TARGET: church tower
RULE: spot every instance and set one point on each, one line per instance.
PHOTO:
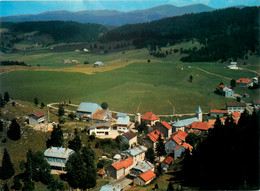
(199, 114)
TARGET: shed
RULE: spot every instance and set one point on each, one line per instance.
(98, 64)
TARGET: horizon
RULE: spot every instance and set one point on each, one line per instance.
(20, 7)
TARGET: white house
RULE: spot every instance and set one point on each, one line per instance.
(37, 118)
(228, 92)
(102, 128)
(235, 106)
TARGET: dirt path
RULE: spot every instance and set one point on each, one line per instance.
(250, 71)
(138, 107)
(212, 73)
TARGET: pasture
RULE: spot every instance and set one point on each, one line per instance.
(128, 83)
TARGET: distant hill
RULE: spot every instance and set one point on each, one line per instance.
(111, 17)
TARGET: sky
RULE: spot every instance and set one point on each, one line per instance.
(19, 7)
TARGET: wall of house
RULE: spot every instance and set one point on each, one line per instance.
(165, 165)
(233, 109)
(33, 121)
(133, 141)
(148, 143)
(178, 152)
(116, 174)
(139, 181)
(169, 146)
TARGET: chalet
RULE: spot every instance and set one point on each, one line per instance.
(124, 124)
(137, 154)
(243, 82)
(151, 139)
(144, 178)
(130, 137)
(198, 126)
(228, 92)
(101, 115)
(37, 118)
(164, 128)
(87, 109)
(141, 167)
(57, 157)
(120, 169)
(100, 129)
(98, 64)
(177, 138)
(150, 118)
(220, 113)
(178, 150)
(256, 103)
(166, 163)
(235, 106)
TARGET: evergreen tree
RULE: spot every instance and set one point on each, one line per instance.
(14, 131)
(1, 126)
(233, 83)
(104, 105)
(17, 184)
(5, 187)
(42, 105)
(170, 187)
(190, 78)
(1, 101)
(61, 111)
(56, 139)
(75, 144)
(149, 155)
(36, 102)
(160, 147)
(28, 185)
(6, 97)
(7, 168)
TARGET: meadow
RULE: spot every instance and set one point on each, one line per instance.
(128, 83)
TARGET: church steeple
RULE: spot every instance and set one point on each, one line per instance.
(199, 114)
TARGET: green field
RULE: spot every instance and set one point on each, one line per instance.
(128, 83)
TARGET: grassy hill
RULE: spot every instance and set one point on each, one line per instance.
(128, 82)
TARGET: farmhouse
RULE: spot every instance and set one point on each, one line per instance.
(101, 115)
(144, 178)
(124, 124)
(243, 82)
(164, 128)
(228, 92)
(199, 126)
(87, 109)
(177, 138)
(166, 163)
(151, 139)
(100, 129)
(220, 113)
(141, 167)
(98, 64)
(235, 106)
(150, 118)
(130, 137)
(120, 169)
(57, 157)
(37, 118)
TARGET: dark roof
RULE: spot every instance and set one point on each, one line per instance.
(129, 135)
(39, 114)
(236, 104)
(256, 102)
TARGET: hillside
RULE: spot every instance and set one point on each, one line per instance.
(218, 33)
(111, 17)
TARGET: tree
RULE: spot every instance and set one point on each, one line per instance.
(160, 147)
(170, 187)
(149, 155)
(17, 184)
(104, 105)
(75, 144)
(72, 116)
(7, 168)
(1, 126)
(5, 187)
(42, 105)
(233, 83)
(192, 139)
(56, 139)
(36, 102)
(190, 78)
(14, 131)
(1, 101)
(61, 111)
(6, 97)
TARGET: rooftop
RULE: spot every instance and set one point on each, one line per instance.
(144, 166)
(168, 160)
(129, 135)
(137, 150)
(123, 120)
(150, 116)
(58, 152)
(88, 107)
(123, 163)
(243, 80)
(185, 122)
(38, 114)
(218, 111)
(154, 136)
(148, 175)
(236, 114)
(165, 124)
(109, 188)
(200, 125)
(99, 114)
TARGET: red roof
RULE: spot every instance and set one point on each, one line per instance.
(39, 114)
(182, 135)
(221, 86)
(165, 124)
(236, 114)
(154, 136)
(129, 135)
(178, 137)
(168, 160)
(200, 125)
(218, 111)
(150, 116)
(148, 175)
(187, 146)
(243, 80)
(101, 171)
(123, 163)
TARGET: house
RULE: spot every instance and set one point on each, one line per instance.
(164, 128)
(85, 50)
(102, 128)
(151, 139)
(198, 126)
(75, 61)
(120, 169)
(235, 106)
(178, 150)
(144, 178)
(141, 167)
(101, 115)
(67, 61)
(256, 103)
(137, 154)
(87, 109)
(220, 113)
(57, 157)
(124, 124)
(110, 188)
(37, 118)
(150, 118)
(177, 138)
(228, 92)
(233, 66)
(130, 137)
(98, 64)
(236, 115)
(166, 163)
(243, 82)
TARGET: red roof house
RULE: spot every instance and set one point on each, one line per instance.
(151, 139)
(144, 178)
(242, 82)
(150, 118)
(201, 126)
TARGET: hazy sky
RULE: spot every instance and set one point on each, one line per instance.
(19, 7)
